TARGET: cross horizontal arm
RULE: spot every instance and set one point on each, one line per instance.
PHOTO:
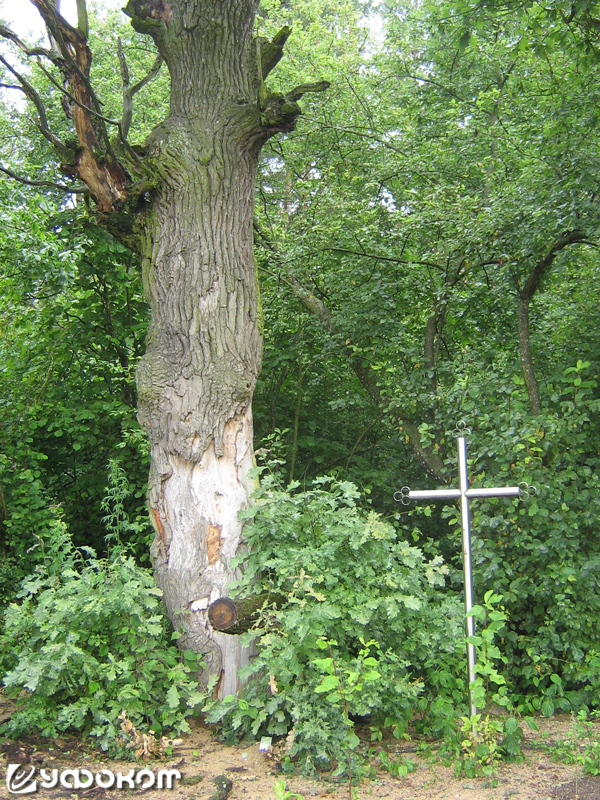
(433, 494)
(503, 491)
(452, 494)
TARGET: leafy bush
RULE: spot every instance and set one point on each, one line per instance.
(10, 577)
(90, 646)
(29, 513)
(117, 520)
(347, 578)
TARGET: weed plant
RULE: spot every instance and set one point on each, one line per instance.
(582, 746)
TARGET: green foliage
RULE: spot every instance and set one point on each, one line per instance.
(10, 577)
(150, 105)
(486, 738)
(343, 684)
(30, 514)
(86, 645)
(398, 767)
(543, 555)
(413, 200)
(121, 529)
(373, 601)
(489, 684)
(281, 793)
(72, 323)
(582, 746)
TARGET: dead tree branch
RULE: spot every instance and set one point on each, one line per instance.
(32, 95)
(130, 91)
(75, 189)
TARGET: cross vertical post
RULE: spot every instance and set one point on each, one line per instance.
(467, 571)
(464, 493)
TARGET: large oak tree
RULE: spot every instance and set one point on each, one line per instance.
(184, 203)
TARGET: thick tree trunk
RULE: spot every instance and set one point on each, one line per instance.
(203, 356)
(204, 346)
(185, 202)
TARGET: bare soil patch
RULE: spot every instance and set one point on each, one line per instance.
(202, 758)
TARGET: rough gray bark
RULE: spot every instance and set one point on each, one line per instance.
(203, 354)
(196, 380)
(184, 203)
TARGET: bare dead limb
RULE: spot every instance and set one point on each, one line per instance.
(32, 95)
(72, 43)
(130, 91)
(6, 33)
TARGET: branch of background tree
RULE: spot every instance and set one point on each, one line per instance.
(47, 184)
(32, 95)
(535, 276)
(385, 258)
(130, 91)
(310, 302)
(427, 456)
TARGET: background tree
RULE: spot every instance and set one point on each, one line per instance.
(455, 198)
(461, 177)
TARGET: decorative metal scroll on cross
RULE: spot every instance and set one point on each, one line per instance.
(464, 493)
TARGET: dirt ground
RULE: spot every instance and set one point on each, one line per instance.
(201, 758)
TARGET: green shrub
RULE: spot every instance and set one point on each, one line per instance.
(89, 645)
(10, 577)
(582, 745)
(347, 578)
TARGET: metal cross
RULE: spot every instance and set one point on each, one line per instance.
(405, 495)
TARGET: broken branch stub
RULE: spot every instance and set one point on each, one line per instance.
(235, 616)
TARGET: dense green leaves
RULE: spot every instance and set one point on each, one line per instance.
(87, 640)
(348, 578)
(72, 323)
